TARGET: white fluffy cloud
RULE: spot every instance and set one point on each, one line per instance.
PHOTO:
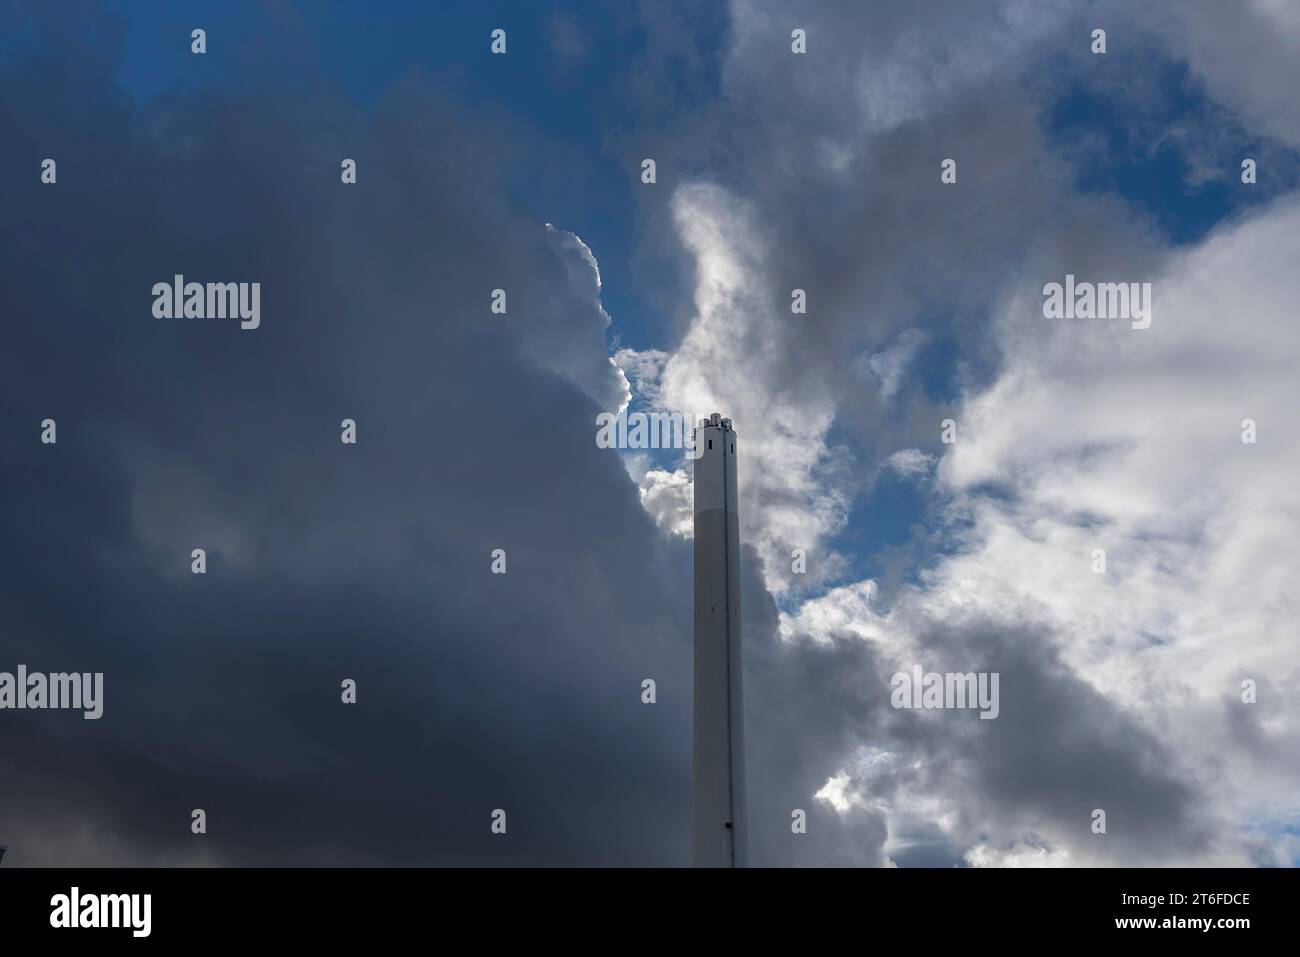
(727, 362)
(667, 497)
(1089, 436)
(1098, 436)
(910, 463)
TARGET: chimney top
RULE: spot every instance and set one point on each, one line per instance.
(715, 421)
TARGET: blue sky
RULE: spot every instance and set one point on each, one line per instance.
(1136, 159)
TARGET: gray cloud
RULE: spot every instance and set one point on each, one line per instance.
(325, 561)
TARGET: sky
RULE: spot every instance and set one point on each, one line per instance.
(1120, 690)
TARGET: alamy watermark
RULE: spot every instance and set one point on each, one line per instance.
(947, 690)
(1106, 300)
(36, 691)
(74, 909)
(179, 299)
(647, 430)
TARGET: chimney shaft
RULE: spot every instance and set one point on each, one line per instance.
(719, 822)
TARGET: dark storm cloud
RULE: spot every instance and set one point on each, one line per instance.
(326, 561)
(1056, 751)
(806, 707)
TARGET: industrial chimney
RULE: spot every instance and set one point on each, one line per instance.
(719, 795)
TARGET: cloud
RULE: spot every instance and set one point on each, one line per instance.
(892, 63)
(325, 561)
(725, 361)
(1245, 53)
(1134, 445)
(910, 463)
(667, 497)
(1128, 441)
(1071, 438)
(886, 368)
